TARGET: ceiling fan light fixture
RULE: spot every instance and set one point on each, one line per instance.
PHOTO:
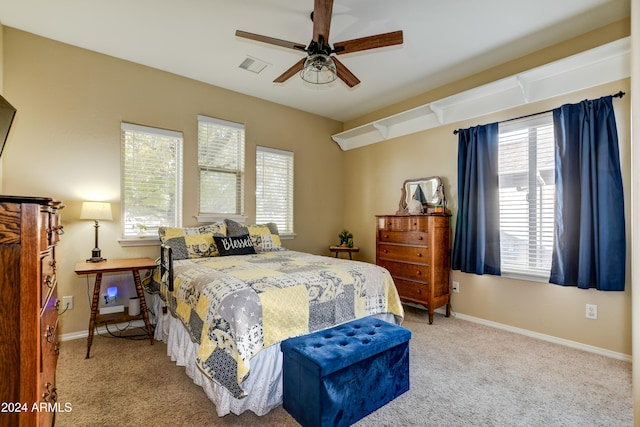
(319, 69)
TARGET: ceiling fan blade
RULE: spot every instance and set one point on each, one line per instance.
(322, 10)
(295, 69)
(370, 42)
(270, 40)
(344, 74)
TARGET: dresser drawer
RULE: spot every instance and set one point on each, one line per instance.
(45, 226)
(49, 328)
(411, 271)
(48, 269)
(412, 291)
(399, 223)
(408, 237)
(404, 253)
(50, 347)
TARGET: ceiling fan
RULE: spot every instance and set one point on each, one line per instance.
(320, 66)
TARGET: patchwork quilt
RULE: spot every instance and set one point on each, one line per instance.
(234, 306)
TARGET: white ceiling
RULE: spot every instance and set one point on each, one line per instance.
(444, 40)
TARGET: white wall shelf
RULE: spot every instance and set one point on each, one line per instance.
(600, 65)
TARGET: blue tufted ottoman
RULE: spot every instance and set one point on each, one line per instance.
(337, 376)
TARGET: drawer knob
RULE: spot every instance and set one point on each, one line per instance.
(50, 337)
(50, 395)
(420, 238)
(385, 251)
(418, 272)
(386, 236)
(419, 255)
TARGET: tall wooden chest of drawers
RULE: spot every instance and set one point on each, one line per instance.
(415, 250)
(29, 231)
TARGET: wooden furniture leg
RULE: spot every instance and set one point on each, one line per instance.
(143, 303)
(94, 311)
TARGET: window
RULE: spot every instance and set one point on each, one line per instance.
(221, 165)
(151, 179)
(274, 188)
(527, 196)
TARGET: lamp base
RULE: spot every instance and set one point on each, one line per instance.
(95, 256)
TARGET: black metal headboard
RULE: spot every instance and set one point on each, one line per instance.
(166, 264)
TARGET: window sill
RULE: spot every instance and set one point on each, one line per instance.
(206, 218)
(524, 276)
(139, 241)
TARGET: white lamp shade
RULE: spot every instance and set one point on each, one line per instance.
(96, 210)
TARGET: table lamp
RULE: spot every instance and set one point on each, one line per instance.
(96, 211)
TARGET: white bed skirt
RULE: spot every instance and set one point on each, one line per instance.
(264, 385)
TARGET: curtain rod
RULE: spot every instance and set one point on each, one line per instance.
(617, 95)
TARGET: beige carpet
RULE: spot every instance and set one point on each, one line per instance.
(462, 374)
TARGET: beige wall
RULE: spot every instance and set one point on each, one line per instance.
(635, 201)
(1, 88)
(65, 144)
(374, 175)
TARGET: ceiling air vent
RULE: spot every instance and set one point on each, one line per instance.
(254, 65)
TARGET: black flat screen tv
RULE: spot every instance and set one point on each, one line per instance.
(7, 112)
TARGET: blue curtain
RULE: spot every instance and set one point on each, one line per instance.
(590, 244)
(477, 241)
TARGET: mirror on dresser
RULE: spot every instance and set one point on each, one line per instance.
(429, 192)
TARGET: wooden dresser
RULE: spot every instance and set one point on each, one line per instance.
(415, 250)
(29, 231)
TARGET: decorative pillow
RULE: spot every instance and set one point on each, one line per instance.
(192, 242)
(266, 242)
(235, 228)
(263, 238)
(234, 245)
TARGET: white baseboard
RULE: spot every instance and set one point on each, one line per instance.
(537, 335)
(101, 330)
(544, 337)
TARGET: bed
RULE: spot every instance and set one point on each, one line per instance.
(226, 295)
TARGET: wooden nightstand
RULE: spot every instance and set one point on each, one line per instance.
(116, 266)
(343, 249)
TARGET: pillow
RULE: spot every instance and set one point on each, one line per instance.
(235, 228)
(266, 242)
(192, 242)
(263, 238)
(234, 245)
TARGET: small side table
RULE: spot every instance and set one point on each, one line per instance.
(116, 266)
(343, 249)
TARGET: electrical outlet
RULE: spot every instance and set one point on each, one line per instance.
(591, 311)
(456, 287)
(67, 302)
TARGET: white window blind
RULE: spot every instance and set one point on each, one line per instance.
(274, 188)
(221, 165)
(151, 179)
(527, 195)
